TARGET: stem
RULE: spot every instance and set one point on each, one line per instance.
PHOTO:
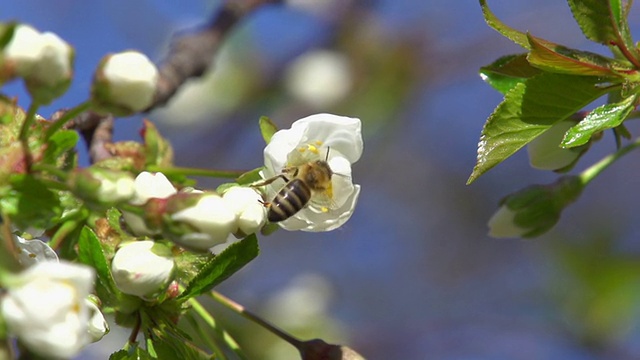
(235, 307)
(204, 314)
(28, 121)
(136, 329)
(589, 174)
(51, 169)
(213, 345)
(175, 170)
(627, 54)
(72, 113)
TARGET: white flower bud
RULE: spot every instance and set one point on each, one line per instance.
(502, 225)
(127, 80)
(115, 190)
(245, 202)
(151, 185)
(147, 186)
(545, 152)
(98, 326)
(45, 308)
(213, 218)
(142, 268)
(24, 48)
(33, 251)
(54, 64)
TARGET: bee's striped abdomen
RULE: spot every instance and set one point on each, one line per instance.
(289, 200)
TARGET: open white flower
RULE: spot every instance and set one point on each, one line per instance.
(318, 137)
(45, 308)
(142, 268)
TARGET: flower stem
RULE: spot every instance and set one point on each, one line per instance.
(66, 117)
(204, 314)
(51, 169)
(28, 121)
(237, 308)
(594, 170)
(175, 170)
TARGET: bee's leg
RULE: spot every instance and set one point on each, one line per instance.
(270, 180)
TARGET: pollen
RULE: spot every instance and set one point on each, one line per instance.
(318, 142)
(302, 149)
(313, 149)
(324, 209)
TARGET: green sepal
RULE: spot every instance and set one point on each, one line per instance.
(222, 266)
(157, 149)
(267, 128)
(538, 208)
(58, 144)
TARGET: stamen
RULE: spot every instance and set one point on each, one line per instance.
(318, 142)
(324, 209)
(313, 149)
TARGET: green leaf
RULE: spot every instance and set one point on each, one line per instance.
(602, 21)
(528, 110)
(135, 353)
(601, 118)
(170, 347)
(222, 266)
(6, 33)
(559, 59)
(59, 143)
(267, 128)
(504, 73)
(510, 33)
(250, 176)
(29, 202)
(90, 253)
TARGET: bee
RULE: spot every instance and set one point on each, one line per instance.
(311, 179)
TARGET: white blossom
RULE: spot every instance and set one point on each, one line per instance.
(142, 268)
(316, 137)
(116, 189)
(212, 217)
(45, 308)
(34, 251)
(147, 186)
(128, 79)
(502, 224)
(245, 202)
(98, 326)
(43, 57)
(545, 152)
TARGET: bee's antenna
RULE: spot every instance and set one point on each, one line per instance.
(326, 158)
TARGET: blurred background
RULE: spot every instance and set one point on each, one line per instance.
(412, 275)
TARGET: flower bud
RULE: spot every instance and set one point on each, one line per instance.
(43, 59)
(545, 152)
(102, 185)
(208, 219)
(45, 308)
(34, 251)
(534, 210)
(246, 203)
(125, 83)
(142, 268)
(147, 186)
(98, 326)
